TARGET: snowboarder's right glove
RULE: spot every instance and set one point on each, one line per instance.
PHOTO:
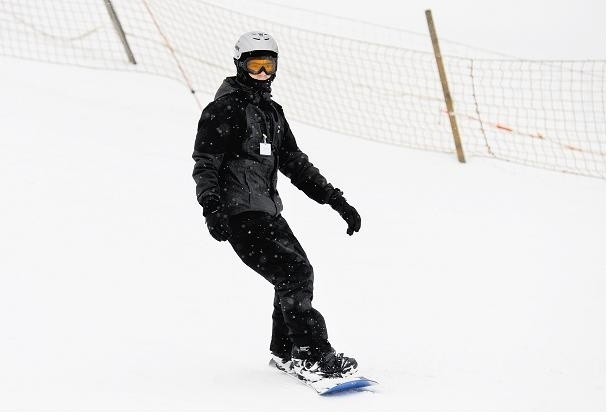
(216, 220)
(347, 211)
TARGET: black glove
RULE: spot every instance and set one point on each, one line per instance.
(216, 220)
(347, 212)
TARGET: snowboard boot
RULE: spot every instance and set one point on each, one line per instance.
(282, 361)
(330, 364)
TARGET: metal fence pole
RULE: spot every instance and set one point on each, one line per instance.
(119, 29)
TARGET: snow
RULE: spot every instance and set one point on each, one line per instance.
(469, 287)
(526, 29)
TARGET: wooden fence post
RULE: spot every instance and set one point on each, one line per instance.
(445, 85)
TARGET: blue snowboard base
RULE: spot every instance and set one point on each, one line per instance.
(349, 384)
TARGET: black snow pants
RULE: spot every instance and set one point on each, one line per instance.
(267, 245)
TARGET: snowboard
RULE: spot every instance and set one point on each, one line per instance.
(329, 386)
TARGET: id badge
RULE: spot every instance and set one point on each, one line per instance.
(265, 149)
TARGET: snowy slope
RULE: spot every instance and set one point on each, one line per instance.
(469, 287)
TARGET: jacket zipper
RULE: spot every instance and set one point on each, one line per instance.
(275, 117)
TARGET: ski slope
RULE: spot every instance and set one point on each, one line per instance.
(469, 287)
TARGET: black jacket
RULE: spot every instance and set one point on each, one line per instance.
(228, 161)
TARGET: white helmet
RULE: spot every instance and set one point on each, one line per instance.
(252, 41)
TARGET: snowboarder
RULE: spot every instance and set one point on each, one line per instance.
(242, 140)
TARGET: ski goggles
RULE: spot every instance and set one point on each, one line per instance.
(257, 64)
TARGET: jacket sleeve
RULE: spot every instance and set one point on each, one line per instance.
(295, 165)
(210, 146)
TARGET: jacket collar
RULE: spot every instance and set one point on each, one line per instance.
(231, 84)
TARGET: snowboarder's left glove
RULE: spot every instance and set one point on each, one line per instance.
(347, 212)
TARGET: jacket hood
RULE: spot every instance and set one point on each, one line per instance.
(231, 84)
(227, 86)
